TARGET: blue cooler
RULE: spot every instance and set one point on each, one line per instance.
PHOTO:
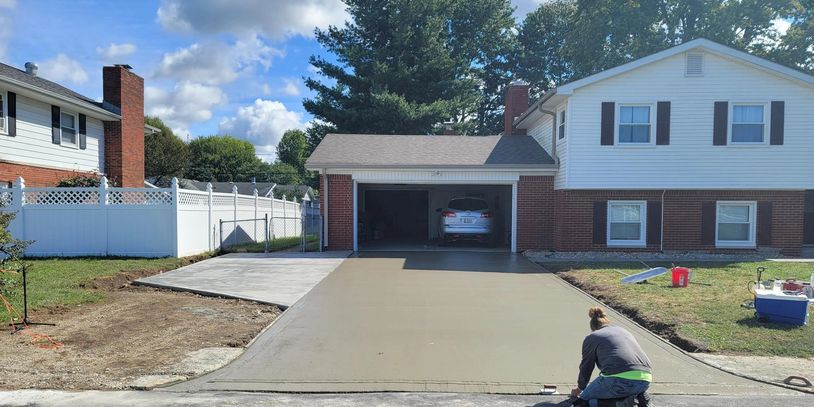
(776, 306)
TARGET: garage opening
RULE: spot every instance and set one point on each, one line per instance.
(434, 217)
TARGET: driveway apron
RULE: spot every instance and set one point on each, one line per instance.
(444, 322)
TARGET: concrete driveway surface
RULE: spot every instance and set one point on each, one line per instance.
(444, 322)
(280, 278)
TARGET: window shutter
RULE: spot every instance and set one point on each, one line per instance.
(708, 219)
(654, 222)
(600, 222)
(11, 117)
(56, 135)
(764, 223)
(83, 138)
(721, 122)
(778, 122)
(663, 123)
(608, 122)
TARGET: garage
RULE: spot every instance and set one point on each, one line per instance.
(432, 216)
(426, 192)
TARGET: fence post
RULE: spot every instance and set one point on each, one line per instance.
(17, 204)
(266, 245)
(285, 216)
(254, 222)
(175, 208)
(103, 211)
(234, 218)
(209, 224)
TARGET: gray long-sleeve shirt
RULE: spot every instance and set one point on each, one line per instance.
(613, 350)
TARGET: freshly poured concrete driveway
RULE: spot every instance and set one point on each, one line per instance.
(445, 322)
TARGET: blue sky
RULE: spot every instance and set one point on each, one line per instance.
(210, 66)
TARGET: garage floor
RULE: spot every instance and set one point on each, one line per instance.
(443, 322)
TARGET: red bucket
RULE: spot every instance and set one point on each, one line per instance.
(681, 276)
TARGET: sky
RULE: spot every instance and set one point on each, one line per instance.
(209, 66)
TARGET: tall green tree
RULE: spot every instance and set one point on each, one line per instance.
(165, 154)
(406, 66)
(223, 158)
(795, 48)
(541, 39)
(293, 149)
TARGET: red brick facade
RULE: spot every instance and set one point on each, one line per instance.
(35, 176)
(124, 141)
(535, 213)
(682, 217)
(340, 210)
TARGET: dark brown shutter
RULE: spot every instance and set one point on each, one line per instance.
(600, 222)
(608, 122)
(11, 119)
(663, 123)
(764, 223)
(653, 222)
(720, 124)
(83, 130)
(56, 135)
(778, 122)
(708, 218)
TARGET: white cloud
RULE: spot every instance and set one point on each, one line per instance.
(187, 103)
(291, 87)
(114, 53)
(216, 62)
(262, 123)
(8, 3)
(266, 89)
(63, 69)
(781, 25)
(276, 19)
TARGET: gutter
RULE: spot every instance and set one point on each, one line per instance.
(538, 104)
(66, 99)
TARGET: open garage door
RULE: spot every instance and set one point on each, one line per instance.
(434, 217)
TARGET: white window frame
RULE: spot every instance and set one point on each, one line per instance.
(766, 124)
(3, 110)
(652, 124)
(642, 242)
(562, 122)
(62, 142)
(752, 242)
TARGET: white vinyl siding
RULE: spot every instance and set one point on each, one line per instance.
(543, 130)
(748, 123)
(691, 161)
(735, 224)
(33, 145)
(626, 223)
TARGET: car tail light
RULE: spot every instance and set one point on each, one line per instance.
(448, 214)
(486, 214)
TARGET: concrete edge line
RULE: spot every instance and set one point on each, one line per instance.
(690, 355)
(207, 293)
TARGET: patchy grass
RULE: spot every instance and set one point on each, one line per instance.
(707, 315)
(61, 282)
(275, 245)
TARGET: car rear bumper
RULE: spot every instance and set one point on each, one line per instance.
(467, 230)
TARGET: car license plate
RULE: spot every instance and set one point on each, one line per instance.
(469, 220)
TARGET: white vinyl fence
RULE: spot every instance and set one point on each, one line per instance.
(142, 222)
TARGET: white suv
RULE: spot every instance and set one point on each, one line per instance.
(466, 218)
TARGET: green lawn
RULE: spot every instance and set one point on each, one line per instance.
(278, 244)
(707, 314)
(60, 281)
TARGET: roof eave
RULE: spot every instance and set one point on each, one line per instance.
(546, 96)
(99, 112)
(483, 167)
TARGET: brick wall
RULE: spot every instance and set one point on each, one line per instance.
(682, 217)
(340, 210)
(516, 102)
(124, 141)
(34, 176)
(535, 213)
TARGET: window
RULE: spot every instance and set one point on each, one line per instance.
(736, 224)
(561, 126)
(468, 204)
(2, 112)
(748, 123)
(69, 125)
(626, 223)
(634, 124)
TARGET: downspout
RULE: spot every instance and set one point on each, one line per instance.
(661, 249)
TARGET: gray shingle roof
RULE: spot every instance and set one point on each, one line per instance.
(368, 150)
(44, 84)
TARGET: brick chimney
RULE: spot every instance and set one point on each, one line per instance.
(124, 141)
(517, 101)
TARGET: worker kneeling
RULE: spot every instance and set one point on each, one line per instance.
(625, 371)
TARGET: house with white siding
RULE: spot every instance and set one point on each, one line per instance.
(49, 132)
(697, 147)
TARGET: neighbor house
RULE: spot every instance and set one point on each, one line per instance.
(49, 132)
(698, 147)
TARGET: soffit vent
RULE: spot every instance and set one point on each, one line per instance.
(694, 64)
